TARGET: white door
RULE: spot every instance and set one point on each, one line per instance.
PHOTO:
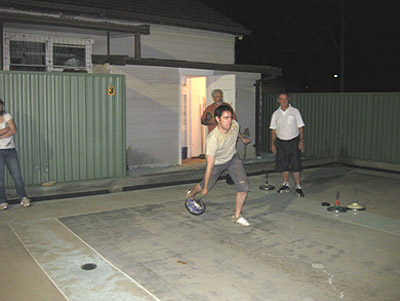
(226, 83)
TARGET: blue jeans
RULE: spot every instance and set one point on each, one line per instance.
(9, 158)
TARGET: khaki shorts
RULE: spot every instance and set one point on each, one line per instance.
(235, 169)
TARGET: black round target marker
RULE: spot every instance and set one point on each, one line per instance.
(88, 266)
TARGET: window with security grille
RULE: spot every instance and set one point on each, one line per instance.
(69, 56)
(28, 56)
(24, 52)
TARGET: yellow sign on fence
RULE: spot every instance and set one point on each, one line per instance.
(111, 90)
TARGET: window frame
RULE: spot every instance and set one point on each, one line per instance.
(50, 42)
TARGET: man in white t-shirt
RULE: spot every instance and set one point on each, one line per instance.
(287, 141)
(221, 155)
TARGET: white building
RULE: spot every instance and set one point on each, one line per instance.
(173, 53)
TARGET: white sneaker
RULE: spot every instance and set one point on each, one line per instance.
(3, 206)
(240, 220)
(25, 202)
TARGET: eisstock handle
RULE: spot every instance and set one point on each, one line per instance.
(337, 198)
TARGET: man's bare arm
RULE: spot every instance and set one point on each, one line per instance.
(10, 130)
(245, 140)
(301, 143)
(210, 165)
(273, 139)
(3, 131)
(207, 119)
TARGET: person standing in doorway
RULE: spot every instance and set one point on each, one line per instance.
(221, 155)
(208, 115)
(287, 142)
(9, 159)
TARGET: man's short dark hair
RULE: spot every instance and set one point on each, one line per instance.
(221, 109)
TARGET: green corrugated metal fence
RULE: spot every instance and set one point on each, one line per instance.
(364, 126)
(68, 126)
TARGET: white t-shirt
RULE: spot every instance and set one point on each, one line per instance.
(6, 143)
(286, 123)
(221, 145)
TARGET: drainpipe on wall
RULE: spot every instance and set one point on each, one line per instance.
(108, 46)
(138, 53)
(258, 84)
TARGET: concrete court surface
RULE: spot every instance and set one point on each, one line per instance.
(147, 247)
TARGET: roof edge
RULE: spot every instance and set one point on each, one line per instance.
(72, 22)
(267, 70)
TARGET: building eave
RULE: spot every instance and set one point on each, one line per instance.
(124, 60)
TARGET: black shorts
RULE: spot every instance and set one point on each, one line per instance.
(287, 153)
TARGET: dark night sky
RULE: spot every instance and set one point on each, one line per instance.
(300, 37)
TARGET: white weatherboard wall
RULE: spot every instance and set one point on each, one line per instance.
(188, 45)
(152, 115)
(245, 107)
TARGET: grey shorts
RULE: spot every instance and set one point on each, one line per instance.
(235, 169)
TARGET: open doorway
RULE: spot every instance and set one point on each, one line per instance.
(193, 134)
(195, 97)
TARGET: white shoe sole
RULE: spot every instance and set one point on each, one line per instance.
(241, 221)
